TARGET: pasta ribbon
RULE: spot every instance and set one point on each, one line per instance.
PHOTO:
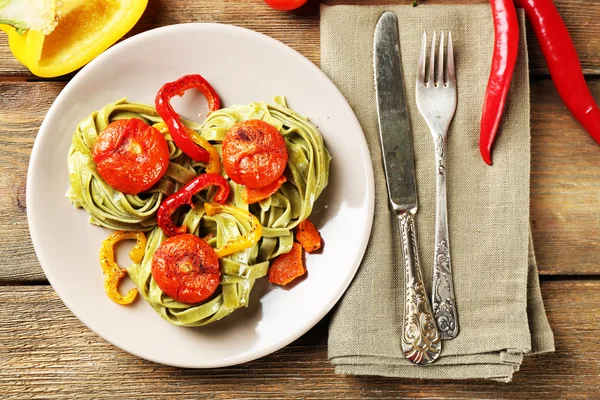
(248, 240)
(111, 208)
(247, 237)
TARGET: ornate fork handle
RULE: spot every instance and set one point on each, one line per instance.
(442, 297)
(421, 343)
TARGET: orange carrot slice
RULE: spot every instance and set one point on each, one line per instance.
(308, 236)
(250, 195)
(287, 267)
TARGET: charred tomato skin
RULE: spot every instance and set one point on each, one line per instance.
(131, 156)
(254, 153)
(186, 268)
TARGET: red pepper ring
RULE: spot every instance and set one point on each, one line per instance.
(184, 196)
(173, 120)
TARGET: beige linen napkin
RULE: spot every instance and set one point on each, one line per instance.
(498, 297)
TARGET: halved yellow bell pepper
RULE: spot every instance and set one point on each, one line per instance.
(86, 28)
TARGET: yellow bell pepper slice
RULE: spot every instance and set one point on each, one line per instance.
(214, 162)
(113, 274)
(243, 242)
(86, 28)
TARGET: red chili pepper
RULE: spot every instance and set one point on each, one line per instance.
(184, 196)
(173, 120)
(563, 63)
(506, 43)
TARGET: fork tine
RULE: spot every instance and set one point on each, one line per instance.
(450, 67)
(432, 62)
(421, 67)
(440, 74)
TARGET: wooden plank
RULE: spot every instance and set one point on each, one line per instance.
(300, 29)
(45, 352)
(565, 184)
(22, 109)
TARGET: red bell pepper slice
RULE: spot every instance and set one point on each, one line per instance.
(184, 196)
(173, 120)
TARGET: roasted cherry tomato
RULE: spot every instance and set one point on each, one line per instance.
(285, 5)
(186, 268)
(254, 153)
(131, 156)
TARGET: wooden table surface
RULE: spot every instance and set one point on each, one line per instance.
(45, 352)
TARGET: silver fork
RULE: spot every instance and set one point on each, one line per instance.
(437, 103)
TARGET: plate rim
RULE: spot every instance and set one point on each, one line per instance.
(131, 41)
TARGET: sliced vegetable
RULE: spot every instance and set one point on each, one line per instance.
(506, 43)
(186, 268)
(131, 156)
(184, 196)
(85, 29)
(244, 242)
(287, 267)
(178, 131)
(214, 162)
(308, 236)
(254, 153)
(113, 274)
(250, 196)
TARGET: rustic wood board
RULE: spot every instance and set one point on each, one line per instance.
(565, 181)
(45, 352)
(300, 29)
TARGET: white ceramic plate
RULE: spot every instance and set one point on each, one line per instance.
(243, 66)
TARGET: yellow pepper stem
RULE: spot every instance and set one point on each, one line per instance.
(243, 242)
(113, 274)
(86, 29)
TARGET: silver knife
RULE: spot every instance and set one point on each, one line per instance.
(421, 342)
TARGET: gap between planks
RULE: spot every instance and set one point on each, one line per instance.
(543, 278)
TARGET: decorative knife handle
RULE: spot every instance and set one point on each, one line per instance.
(421, 343)
(442, 296)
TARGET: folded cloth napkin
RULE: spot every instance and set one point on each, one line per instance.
(498, 297)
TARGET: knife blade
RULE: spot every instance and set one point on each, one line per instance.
(394, 123)
(420, 342)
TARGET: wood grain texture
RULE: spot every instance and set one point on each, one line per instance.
(300, 29)
(565, 186)
(22, 109)
(45, 352)
(565, 181)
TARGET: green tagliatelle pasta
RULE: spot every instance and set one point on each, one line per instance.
(109, 207)
(307, 175)
(238, 272)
